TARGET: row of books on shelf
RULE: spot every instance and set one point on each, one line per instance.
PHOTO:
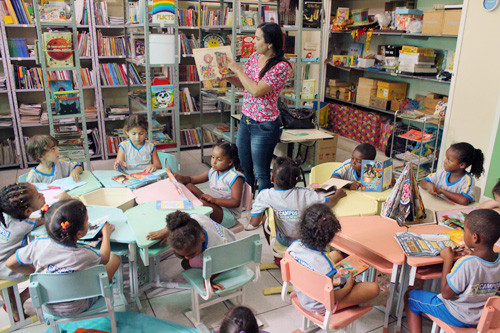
(192, 136)
(84, 45)
(31, 78)
(111, 46)
(188, 73)
(101, 13)
(5, 119)
(188, 103)
(116, 74)
(15, 12)
(188, 17)
(8, 152)
(18, 48)
(209, 17)
(188, 44)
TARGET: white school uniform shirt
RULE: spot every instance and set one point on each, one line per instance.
(316, 260)
(474, 280)
(220, 186)
(60, 169)
(464, 185)
(12, 237)
(137, 158)
(215, 234)
(288, 205)
(345, 171)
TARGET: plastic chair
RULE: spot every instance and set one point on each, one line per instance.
(320, 288)
(230, 262)
(53, 288)
(4, 284)
(489, 322)
(246, 204)
(166, 158)
(322, 172)
(22, 178)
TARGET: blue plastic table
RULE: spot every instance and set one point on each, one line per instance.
(92, 184)
(105, 177)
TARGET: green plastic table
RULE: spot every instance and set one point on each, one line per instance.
(145, 218)
(356, 204)
(105, 177)
(92, 184)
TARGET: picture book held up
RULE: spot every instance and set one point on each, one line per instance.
(211, 62)
(376, 176)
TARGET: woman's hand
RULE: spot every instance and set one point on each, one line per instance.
(233, 65)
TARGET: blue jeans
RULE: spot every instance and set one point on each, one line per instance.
(256, 141)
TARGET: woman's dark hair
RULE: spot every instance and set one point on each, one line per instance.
(286, 173)
(470, 156)
(318, 225)
(496, 189)
(135, 120)
(274, 36)
(64, 219)
(231, 151)
(14, 200)
(185, 232)
(239, 319)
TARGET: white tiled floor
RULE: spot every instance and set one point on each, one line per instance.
(170, 304)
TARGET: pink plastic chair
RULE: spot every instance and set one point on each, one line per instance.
(489, 322)
(246, 204)
(320, 288)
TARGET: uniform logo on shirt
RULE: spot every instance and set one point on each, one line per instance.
(4, 234)
(485, 288)
(219, 229)
(57, 269)
(288, 214)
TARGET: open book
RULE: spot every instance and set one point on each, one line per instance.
(127, 179)
(93, 236)
(424, 245)
(350, 265)
(329, 187)
(453, 218)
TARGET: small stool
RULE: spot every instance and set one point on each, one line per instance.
(4, 284)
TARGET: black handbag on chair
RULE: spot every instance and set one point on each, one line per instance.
(296, 118)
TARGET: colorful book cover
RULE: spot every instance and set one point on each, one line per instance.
(423, 245)
(67, 102)
(310, 52)
(60, 85)
(247, 46)
(163, 11)
(211, 62)
(174, 205)
(311, 14)
(417, 135)
(144, 176)
(453, 218)
(308, 89)
(248, 18)
(162, 96)
(58, 48)
(94, 228)
(126, 180)
(350, 265)
(376, 176)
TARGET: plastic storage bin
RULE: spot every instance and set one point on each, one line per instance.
(121, 198)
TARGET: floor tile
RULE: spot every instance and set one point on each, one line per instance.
(284, 319)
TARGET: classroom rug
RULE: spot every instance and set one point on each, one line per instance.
(126, 322)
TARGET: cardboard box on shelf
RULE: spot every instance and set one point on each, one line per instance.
(366, 82)
(431, 100)
(451, 22)
(380, 103)
(395, 105)
(364, 94)
(391, 90)
(433, 22)
(322, 151)
(336, 82)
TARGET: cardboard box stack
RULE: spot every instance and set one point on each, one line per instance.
(451, 22)
(414, 59)
(433, 22)
(386, 93)
(431, 100)
(367, 88)
(339, 90)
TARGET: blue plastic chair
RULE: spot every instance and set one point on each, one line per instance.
(230, 262)
(54, 288)
(171, 160)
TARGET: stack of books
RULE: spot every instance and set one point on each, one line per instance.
(30, 113)
(70, 142)
(83, 44)
(417, 60)
(117, 111)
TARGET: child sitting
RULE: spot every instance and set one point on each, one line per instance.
(351, 169)
(466, 287)
(226, 184)
(137, 153)
(287, 200)
(43, 149)
(240, 319)
(318, 226)
(67, 222)
(190, 236)
(453, 182)
(493, 204)
(17, 202)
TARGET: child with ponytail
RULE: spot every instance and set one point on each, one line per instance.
(453, 181)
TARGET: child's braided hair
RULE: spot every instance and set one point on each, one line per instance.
(14, 200)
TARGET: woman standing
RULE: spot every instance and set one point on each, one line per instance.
(265, 74)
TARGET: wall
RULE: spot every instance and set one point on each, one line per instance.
(473, 116)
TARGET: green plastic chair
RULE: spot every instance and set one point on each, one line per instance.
(230, 262)
(171, 160)
(54, 288)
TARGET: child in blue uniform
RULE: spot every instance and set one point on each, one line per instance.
(226, 182)
(17, 202)
(137, 153)
(467, 285)
(43, 149)
(453, 181)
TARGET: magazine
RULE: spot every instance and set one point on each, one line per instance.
(58, 47)
(424, 245)
(211, 62)
(376, 176)
(350, 265)
(162, 96)
(94, 228)
(127, 179)
(174, 205)
(453, 218)
(329, 187)
(417, 135)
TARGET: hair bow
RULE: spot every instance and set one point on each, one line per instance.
(64, 225)
(45, 208)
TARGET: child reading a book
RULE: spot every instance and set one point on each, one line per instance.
(467, 285)
(493, 204)
(67, 221)
(453, 182)
(287, 200)
(17, 202)
(190, 235)
(137, 153)
(351, 169)
(318, 225)
(226, 182)
(43, 149)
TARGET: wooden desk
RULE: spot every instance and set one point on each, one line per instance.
(105, 177)
(92, 184)
(311, 135)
